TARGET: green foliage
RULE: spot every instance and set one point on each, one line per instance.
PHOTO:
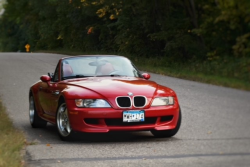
(182, 31)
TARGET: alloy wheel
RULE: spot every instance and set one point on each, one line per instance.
(63, 123)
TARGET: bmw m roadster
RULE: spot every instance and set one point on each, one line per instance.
(102, 93)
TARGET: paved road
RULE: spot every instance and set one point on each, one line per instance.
(215, 130)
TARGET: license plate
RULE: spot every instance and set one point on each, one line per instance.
(133, 116)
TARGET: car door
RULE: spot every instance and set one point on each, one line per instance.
(43, 93)
(48, 93)
(53, 97)
(55, 89)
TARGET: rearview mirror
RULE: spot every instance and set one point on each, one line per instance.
(146, 76)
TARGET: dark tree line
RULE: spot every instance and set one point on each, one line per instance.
(180, 30)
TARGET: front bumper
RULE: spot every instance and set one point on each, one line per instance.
(102, 120)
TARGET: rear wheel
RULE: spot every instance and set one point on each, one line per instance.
(168, 133)
(35, 120)
(62, 121)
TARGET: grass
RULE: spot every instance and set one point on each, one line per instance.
(199, 77)
(215, 73)
(199, 73)
(12, 141)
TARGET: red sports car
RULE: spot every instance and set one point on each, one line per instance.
(102, 93)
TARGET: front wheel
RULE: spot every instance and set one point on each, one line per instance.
(63, 124)
(168, 133)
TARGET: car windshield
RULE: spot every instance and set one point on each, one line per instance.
(98, 66)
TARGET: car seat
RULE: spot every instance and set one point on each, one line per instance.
(67, 70)
(105, 69)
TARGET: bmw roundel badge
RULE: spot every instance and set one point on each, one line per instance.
(130, 93)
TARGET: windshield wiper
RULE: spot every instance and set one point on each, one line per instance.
(76, 76)
(112, 75)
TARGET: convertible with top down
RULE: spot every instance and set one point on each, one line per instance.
(102, 93)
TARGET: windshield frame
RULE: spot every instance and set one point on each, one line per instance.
(66, 60)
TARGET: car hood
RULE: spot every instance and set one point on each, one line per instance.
(113, 87)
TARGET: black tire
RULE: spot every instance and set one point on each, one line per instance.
(62, 123)
(35, 120)
(168, 133)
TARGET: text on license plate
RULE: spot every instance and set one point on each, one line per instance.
(133, 116)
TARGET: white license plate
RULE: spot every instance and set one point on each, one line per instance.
(133, 116)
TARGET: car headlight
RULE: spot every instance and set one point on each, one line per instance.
(92, 103)
(163, 101)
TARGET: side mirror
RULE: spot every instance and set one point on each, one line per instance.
(146, 76)
(45, 78)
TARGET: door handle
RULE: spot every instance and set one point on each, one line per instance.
(55, 92)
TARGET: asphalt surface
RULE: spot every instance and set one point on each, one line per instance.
(215, 130)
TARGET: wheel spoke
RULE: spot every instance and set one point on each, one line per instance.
(68, 127)
(32, 110)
